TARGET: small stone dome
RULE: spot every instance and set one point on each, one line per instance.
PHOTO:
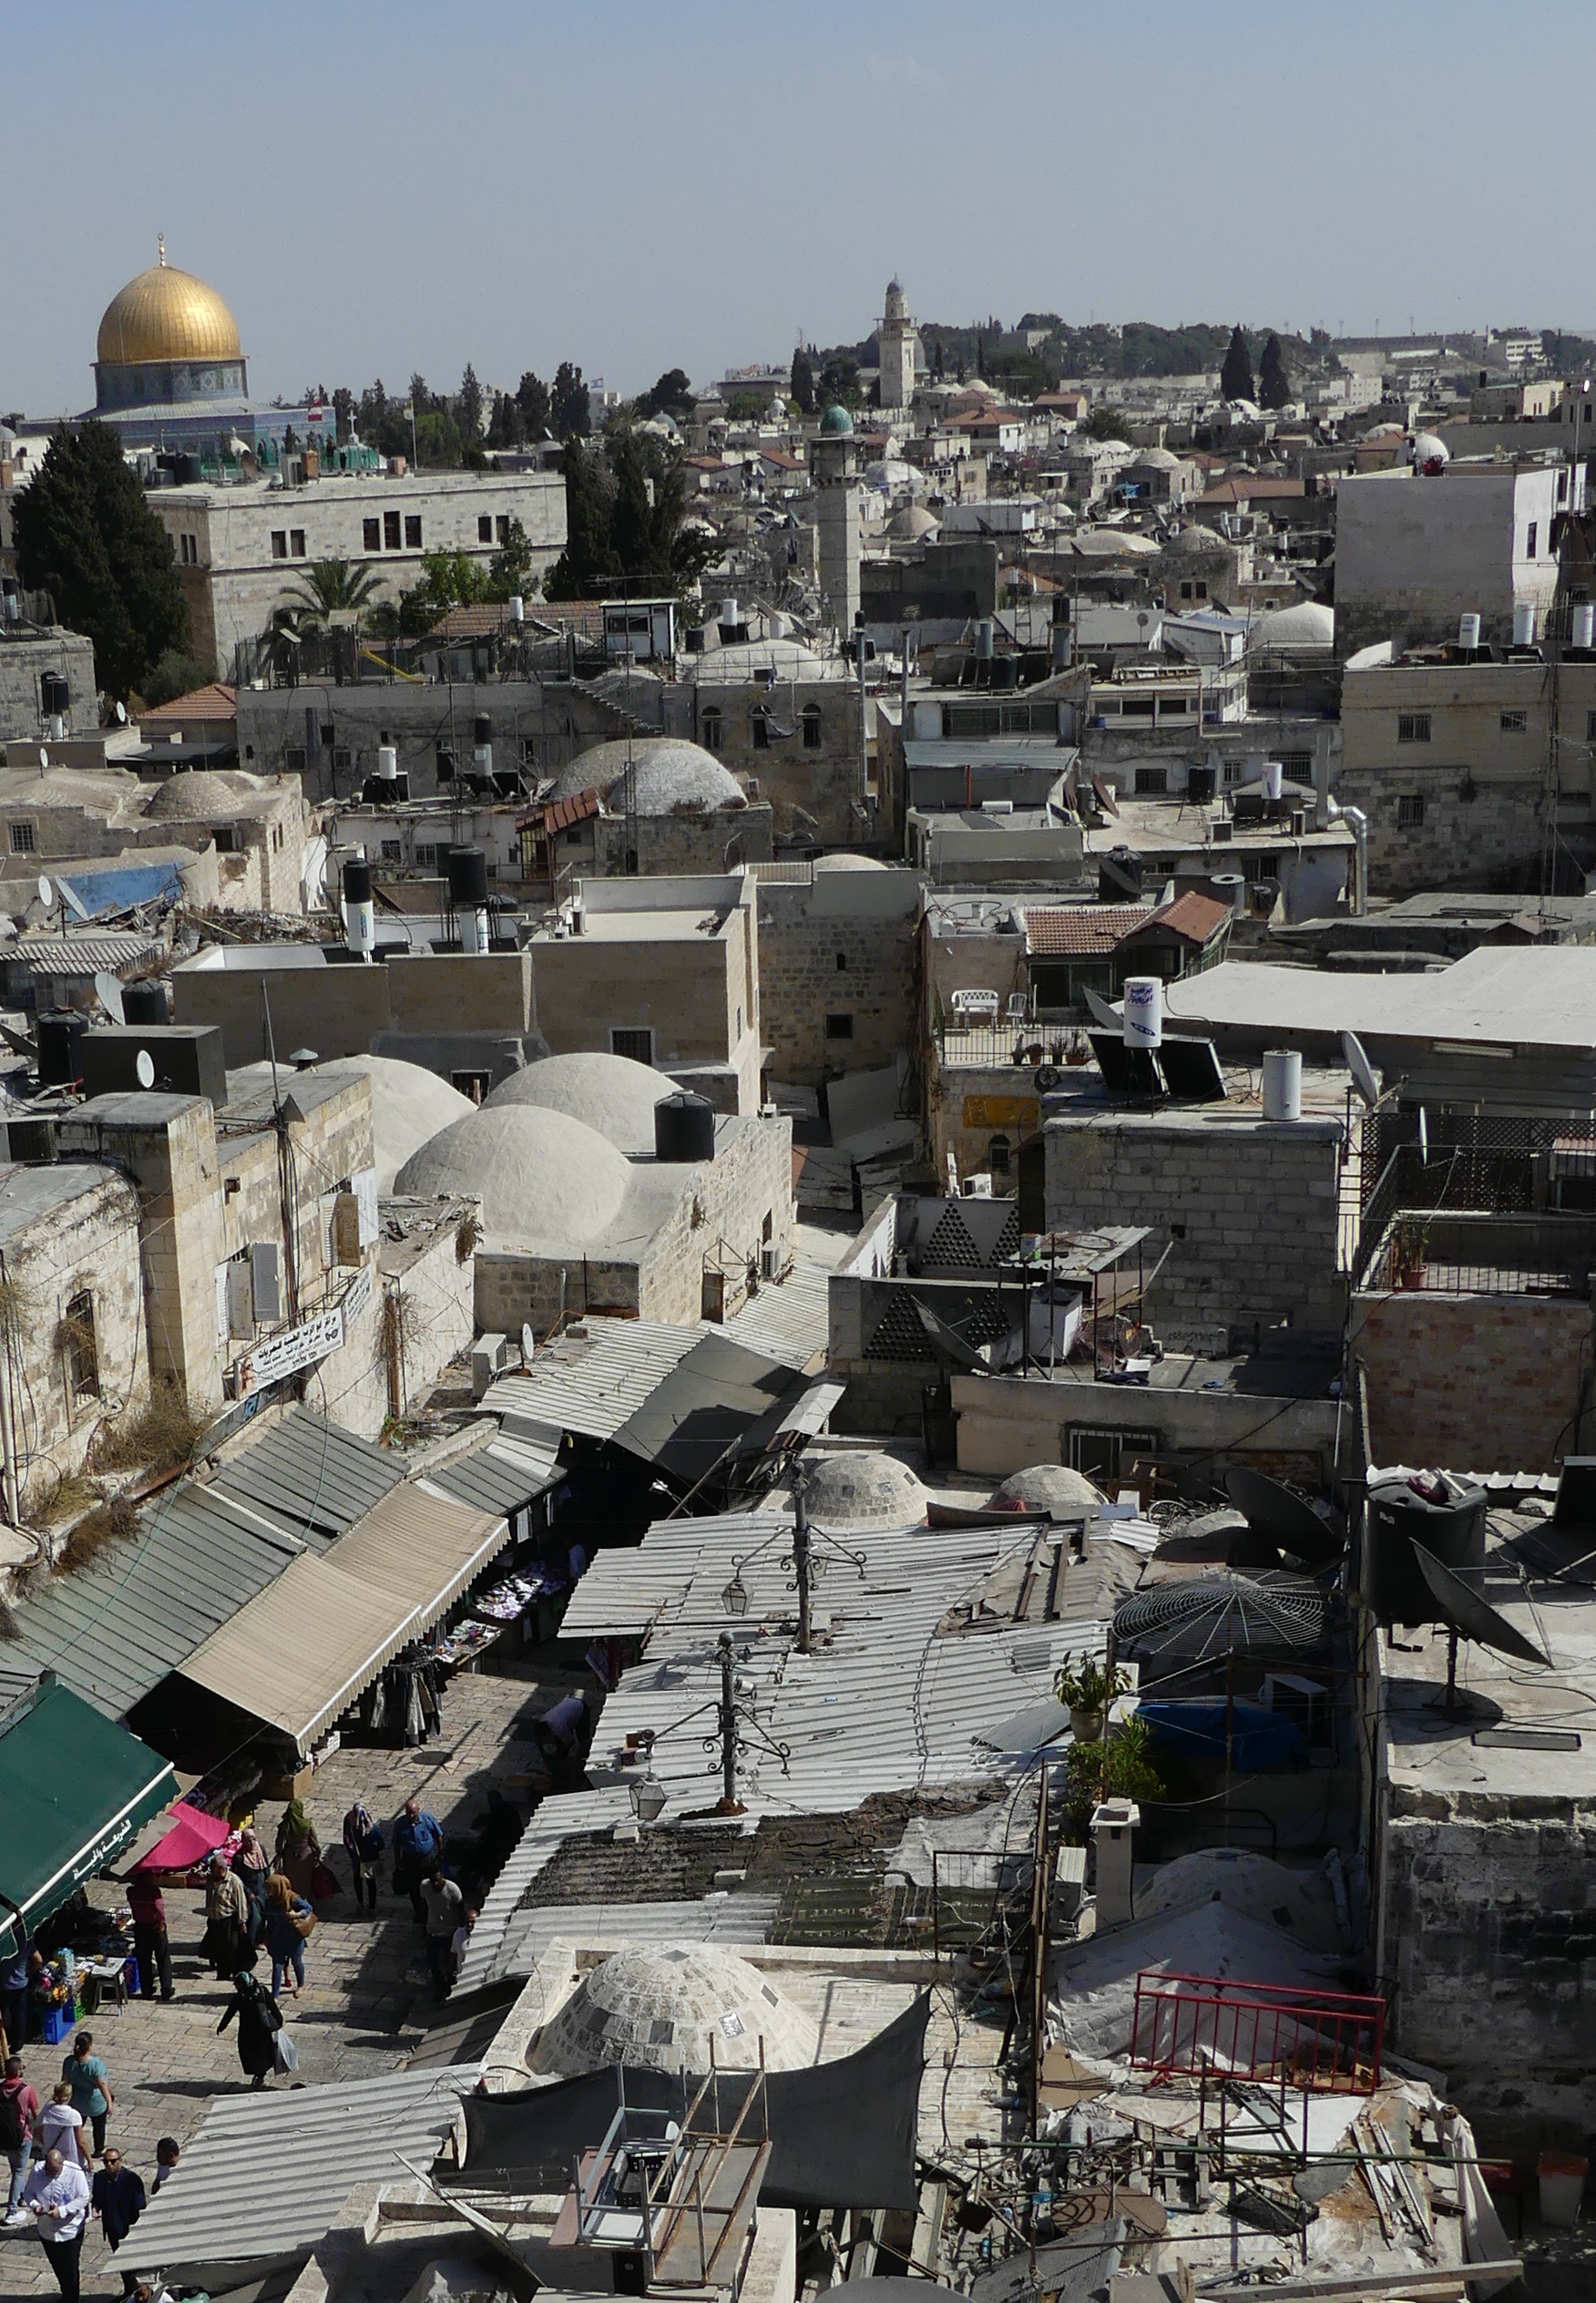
(410, 1105)
(1305, 624)
(1198, 538)
(660, 2010)
(845, 861)
(1155, 460)
(908, 525)
(669, 773)
(837, 423)
(863, 1490)
(194, 795)
(1049, 1486)
(610, 1094)
(538, 1174)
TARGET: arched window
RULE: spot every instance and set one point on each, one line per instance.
(998, 1154)
(711, 728)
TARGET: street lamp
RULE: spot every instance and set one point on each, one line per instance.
(647, 1797)
(735, 1598)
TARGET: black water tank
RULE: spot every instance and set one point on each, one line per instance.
(1118, 876)
(144, 1003)
(187, 470)
(1200, 786)
(1452, 1532)
(357, 884)
(468, 877)
(446, 765)
(54, 695)
(60, 1036)
(684, 1129)
(481, 729)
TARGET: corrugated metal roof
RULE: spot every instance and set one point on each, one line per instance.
(267, 2174)
(84, 955)
(486, 1958)
(312, 1475)
(504, 1475)
(790, 1320)
(717, 1918)
(114, 1629)
(595, 1378)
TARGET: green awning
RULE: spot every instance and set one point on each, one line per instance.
(74, 1788)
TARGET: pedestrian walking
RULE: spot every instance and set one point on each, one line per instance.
(298, 1848)
(166, 2155)
(259, 2019)
(14, 1983)
(151, 1946)
(251, 1868)
(227, 1911)
(116, 2197)
(445, 1907)
(289, 1921)
(60, 2128)
(418, 1844)
(19, 2124)
(364, 1844)
(57, 2193)
(91, 2090)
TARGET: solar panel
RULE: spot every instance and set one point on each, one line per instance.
(1126, 1072)
(1191, 1069)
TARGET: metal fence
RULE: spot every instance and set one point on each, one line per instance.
(1327, 2041)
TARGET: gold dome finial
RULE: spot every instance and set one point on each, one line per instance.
(160, 248)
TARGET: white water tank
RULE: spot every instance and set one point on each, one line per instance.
(388, 762)
(1585, 625)
(517, 609)
(728, 612)
(1468, 631)
(1283, 1083)
(1273, 779)
(1523, 623)
(1142, 1012)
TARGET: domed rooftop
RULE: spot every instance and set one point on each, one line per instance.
(1049, 1486)
(1198, 538)
(845, 862)
(610, 1094)
(671, 774)
(908, 525)
(538, 1174)
(167, 315)
(863, 1490)
(194, 795)
(1156, 459)
(1305, 624)
(410, 1105)
(837, 423)
(1428, 447)
(662, 2009)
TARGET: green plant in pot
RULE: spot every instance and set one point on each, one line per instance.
(1087, 1690)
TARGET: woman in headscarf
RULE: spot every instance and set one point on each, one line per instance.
(259, 2019)
(252, 1868)
(227, 1912)
(298, 1848)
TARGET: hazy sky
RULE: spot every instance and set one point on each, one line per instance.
(636, 187)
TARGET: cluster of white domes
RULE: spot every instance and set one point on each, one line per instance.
(610, 1094)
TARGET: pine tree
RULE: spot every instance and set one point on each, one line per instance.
(1273, 380)
(803, 382)
(470, 405)
(532, 399)
(1235, 378)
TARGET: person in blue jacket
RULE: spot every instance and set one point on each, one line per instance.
(418, 1842)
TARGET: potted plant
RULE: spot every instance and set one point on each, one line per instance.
(1087, 1693)
(1410, 1254)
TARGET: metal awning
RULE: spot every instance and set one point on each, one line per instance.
(74, 1788)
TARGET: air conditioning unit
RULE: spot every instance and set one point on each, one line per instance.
(767, 1262)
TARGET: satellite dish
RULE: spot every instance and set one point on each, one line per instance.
(1357, 1063)
(1110, 1017)
(47, 893)
(109, 992)
(144, 1065)
(122, 715)
(1467, 1615)
(528, 1344)
(1286, 1517)
(1423, 1138)
(43, 758)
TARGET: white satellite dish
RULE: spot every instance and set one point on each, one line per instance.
(47, 893)
(109, 992)
(144, 1065)
(1362, 1070)
(1423, 1138)
(1110, 1018)
(528, 1344)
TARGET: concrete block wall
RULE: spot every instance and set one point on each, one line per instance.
(720, 1216)
(803, 933)
(1480, 1383)
(1492, 837)
(22, 664)
(509, 1288)
(439, 1288)
(1006, 1423)
(1248, 1208)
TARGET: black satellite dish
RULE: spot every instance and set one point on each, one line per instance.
(1469, 1615)
(1286, 1517)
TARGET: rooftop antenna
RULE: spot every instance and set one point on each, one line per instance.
(1467, 1615)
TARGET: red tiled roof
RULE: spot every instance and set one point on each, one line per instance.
(1239, 488)
(1194, 918)
(215, 701)
(558, 816)
(1082, 931)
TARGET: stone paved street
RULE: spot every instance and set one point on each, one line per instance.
(362, 1976)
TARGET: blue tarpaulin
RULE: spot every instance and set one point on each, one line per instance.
(92, 893)
(1259, 1738)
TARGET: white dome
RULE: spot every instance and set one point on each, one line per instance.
(410, 1105)
(1305, 624)
(845, 862)
(911, 523)
(538, 1174)
(863, 1490)
(660, 2010)
(1049, 1486)
(671, 774)
(610, 1094)
(1428, 448)
(1198, 538)
(1155, 460)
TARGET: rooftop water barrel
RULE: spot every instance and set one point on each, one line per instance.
(468, 877)
(684, 1129)
(144, 1003)
(1452, 1533)
(1142, 1011)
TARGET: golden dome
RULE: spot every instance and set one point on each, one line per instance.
(167, 315)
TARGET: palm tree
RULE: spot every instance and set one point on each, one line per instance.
(330, 587)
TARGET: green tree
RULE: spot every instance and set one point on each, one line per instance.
(839, 381)
(1273, 379)
(1120, 1766)
(509, 572)
(803, 382)
(330, 585)
(570, 417)
(448, 580)
(671, 396)
(470, 405)
(1104, 424)
(506, 426)
(587, 560)
(532, 399)
(85, 534)
(177, 672)
(746, 407)
(1235, 377)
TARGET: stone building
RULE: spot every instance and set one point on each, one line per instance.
(838, 965)
(1414, 553)
(648, 804)
(902, 359)
(254, 835)
(787, 724)
(834, 464)
(43, 673)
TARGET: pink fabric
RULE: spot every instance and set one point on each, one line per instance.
(192, 1836)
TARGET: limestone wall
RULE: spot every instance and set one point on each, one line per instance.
(1484, 1382)
(842, 948)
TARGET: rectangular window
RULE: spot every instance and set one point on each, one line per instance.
(484, 527)
(227, 839)
(811, 729)
(637, 1044)
(280, 543)
(189, 550)
(1413, 727)
(412, 531)
(1149, 780)
(23, 842)
(1410, 811)
(296, 543)
(391, 851)
(761, 732)
(504, 537)
(1105, 1455)
(1232, 773)
(1138, 707)
(839, 1026)
(373, 533)
(1515, 723)
(427, 857)
(390, 531)
(1175, 707)
(79, 1346)
(1591, 727)
(1533, 539)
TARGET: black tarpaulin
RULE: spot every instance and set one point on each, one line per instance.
(842, 2134)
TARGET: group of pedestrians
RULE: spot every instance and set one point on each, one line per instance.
(55, 2185)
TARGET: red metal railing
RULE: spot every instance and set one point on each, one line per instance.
(1199, 2024)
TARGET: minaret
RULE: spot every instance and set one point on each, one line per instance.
(834, 466)
(899, 341)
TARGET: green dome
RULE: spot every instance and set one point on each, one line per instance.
(835, 422)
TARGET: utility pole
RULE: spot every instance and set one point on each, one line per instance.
(729, 1803)
(800, 1562)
